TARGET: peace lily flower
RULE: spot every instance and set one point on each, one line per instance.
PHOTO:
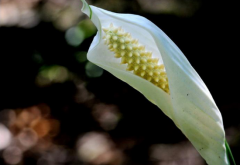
(139, 53)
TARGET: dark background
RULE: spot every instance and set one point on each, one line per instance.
(56, 104)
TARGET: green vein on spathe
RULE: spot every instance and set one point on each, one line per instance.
(85, 3)
(90, 12)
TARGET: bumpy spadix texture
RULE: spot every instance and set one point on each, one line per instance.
(189, 104)
(138, 60)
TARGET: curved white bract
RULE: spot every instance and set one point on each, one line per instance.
(188, 103)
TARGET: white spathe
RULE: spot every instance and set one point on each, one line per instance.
(190, 104)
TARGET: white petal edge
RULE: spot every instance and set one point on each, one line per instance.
(190, 104)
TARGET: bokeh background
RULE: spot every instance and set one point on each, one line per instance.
(57, 108)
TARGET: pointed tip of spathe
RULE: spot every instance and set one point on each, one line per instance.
(86, 9)
(83, 4)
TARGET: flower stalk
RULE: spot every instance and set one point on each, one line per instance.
(229, 154)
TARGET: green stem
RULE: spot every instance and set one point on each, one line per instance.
(229, 154)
